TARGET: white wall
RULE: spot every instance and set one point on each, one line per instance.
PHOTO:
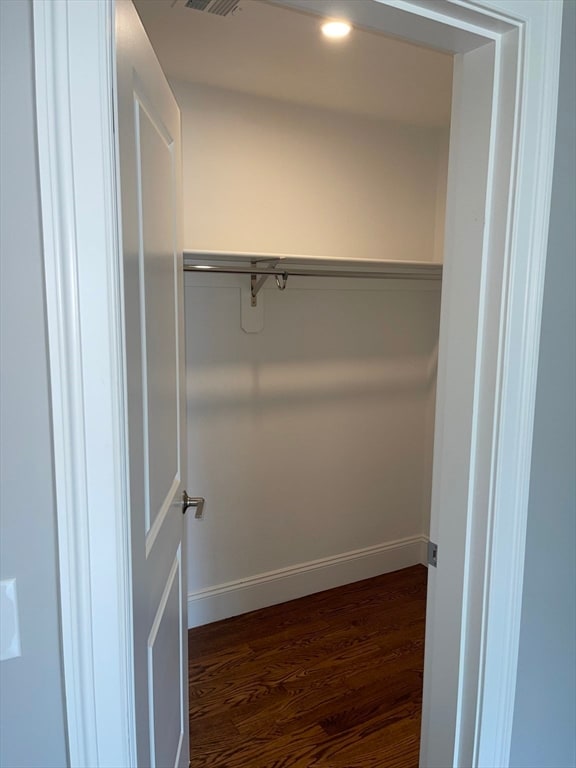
(31, 693)
(312, 440)
(309, 440)
(544, 734)
(268, 176)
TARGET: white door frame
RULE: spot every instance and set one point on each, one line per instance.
(74, 56)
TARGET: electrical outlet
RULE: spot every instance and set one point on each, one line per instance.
(9, 625)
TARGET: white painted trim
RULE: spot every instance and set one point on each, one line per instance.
(264, 589)
(57, 194)
(518, 363)
(77, 162)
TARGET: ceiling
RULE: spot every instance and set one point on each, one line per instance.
(268, 50)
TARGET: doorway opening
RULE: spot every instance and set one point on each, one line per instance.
(497, 223)
(310, 410)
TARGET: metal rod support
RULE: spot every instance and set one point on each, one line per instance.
(256, 285)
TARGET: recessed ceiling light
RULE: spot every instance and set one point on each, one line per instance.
(336, 29)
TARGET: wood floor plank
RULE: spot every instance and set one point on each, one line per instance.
(285, 713)
(377, 701)
(333, 680)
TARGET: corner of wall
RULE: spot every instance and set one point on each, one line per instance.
(441, 192)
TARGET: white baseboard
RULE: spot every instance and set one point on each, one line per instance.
(264, 589)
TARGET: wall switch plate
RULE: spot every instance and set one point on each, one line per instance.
(9, 625)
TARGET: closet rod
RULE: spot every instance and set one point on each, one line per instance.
(418, 273)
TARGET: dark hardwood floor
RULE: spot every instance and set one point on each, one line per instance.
(333, 680)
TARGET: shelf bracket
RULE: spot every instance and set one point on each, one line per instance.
(257, 283)
(252, 307)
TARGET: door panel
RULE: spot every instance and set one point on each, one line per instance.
(166, 656)
(150, 187)
(159, 313)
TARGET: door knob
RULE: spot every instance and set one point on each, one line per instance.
(193, 501)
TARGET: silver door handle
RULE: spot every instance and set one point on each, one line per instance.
(193, 501)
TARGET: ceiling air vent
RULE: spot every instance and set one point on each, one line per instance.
(218, 7)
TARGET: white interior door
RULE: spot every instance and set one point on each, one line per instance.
(150, 186)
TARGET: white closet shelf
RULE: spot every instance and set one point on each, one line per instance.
(263, 264)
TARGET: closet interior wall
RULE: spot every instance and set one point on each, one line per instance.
(311, 440)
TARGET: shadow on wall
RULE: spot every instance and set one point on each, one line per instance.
(262, 386)
(313, 438)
